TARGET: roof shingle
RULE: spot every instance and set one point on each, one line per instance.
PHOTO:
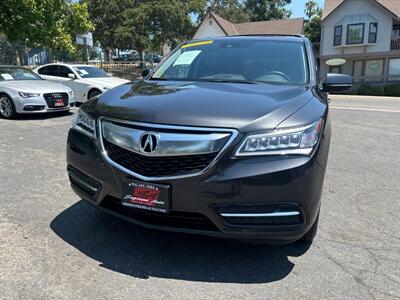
(285, 26)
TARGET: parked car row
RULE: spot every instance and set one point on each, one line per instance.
(50, 88)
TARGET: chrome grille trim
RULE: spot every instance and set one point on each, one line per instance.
(169, 144)
(153, 127)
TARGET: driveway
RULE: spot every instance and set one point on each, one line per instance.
(53, 245)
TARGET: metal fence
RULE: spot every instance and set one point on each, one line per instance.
(130, 71)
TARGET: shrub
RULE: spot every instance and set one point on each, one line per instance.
(392, 90)
(369, 90)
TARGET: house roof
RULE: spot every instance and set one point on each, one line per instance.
(285, 26)
(392, 6)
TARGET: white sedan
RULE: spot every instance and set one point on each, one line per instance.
(86, 81)
(22, 91)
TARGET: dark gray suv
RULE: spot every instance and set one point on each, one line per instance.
(227, 137)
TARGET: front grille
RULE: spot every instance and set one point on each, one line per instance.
(174, 219)
(158, 166)
(51, 99)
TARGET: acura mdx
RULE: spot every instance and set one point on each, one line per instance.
(226, 137)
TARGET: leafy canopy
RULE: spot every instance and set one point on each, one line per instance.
(51, 23)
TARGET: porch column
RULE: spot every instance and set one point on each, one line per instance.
(385, 70)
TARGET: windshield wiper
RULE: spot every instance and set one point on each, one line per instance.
(229, 81)
(161, 79)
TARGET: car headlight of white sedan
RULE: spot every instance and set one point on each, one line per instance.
(28, 95)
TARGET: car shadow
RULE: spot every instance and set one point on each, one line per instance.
(42, 116)
(128, 249)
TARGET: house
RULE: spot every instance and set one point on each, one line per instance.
(361, 38)
(215, 26)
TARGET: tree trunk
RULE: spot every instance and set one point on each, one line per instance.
(17, 60)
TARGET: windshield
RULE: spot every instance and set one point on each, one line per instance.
(90, 72)
(14, 73)
(240, 60)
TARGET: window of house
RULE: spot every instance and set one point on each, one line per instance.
(373, 32)
(374, 67)
(394, 66)
(337, 39)
(358, 68)
(355, 34)
(335, 69)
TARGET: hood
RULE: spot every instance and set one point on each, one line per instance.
(108, 82)
(35, 86)
(245, 107)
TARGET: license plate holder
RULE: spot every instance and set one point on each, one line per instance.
(58, 102)
(146, 196)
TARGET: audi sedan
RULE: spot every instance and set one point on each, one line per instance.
(22, 91)
(227, 137)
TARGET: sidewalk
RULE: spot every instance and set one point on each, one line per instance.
(361, 97)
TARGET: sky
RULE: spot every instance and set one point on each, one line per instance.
(297, 7)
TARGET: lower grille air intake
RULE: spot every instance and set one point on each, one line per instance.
(83, 182)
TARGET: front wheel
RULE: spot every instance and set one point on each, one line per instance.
(7, 108)
(93, 93)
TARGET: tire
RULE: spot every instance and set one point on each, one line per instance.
(93, 93)
(7, 107)
(310, 235)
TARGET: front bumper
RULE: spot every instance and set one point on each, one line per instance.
(257, 185)
(39, 105)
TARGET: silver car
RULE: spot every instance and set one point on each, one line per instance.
(23, 91)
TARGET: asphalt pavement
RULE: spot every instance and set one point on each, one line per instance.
(53, 245)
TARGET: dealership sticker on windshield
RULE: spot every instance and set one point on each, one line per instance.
(187, 57)
(197, 44)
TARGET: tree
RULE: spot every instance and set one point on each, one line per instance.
(51, 23)
(311, 9)
(231, 10)
(150, 24)
(263, 10)
(108, 18)
(312, 28)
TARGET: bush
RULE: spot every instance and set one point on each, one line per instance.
(392, 90)
(369, 90)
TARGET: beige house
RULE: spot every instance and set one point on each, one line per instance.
(361, 38)
(215, 26)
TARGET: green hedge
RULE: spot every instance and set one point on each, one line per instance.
(370, 90)
(392, 90)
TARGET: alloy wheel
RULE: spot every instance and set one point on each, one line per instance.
(6, 108)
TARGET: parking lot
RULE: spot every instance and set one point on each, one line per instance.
(53, 245)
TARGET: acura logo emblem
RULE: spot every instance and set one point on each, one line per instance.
(148, 142)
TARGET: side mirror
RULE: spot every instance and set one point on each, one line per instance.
(337, 83)
(71, 75)
(146, 73)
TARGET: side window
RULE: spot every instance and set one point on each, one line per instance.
(51, 70)
(64, 71)
(373, 32)
(43, 71)
(337, 39)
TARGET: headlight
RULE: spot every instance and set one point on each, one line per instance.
(84, 122)
(300, 141)
(28, 95)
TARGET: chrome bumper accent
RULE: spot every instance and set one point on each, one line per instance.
(261, 215)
